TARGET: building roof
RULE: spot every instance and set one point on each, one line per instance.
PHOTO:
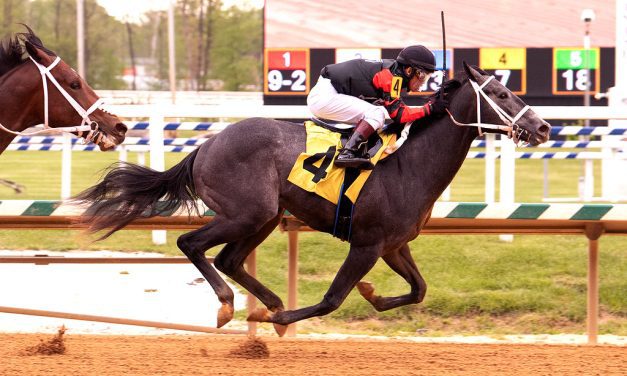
(399, 23)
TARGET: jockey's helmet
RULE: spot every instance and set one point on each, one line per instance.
(419, 57)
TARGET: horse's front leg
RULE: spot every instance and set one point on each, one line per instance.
(401, 262)
(357, 264)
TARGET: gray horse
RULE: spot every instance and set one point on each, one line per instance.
(242, 173)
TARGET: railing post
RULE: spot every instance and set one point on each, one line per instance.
(66, 167)
(123, 156)
(545, 181)
(593, 233)
(157, 159)
(292, 277)
(508, 177)
(251, 300)
(490, 162)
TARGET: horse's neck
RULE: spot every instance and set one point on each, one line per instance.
(16, 107)
(434, 157)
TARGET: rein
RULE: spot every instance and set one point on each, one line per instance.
(513, 130)
(87, 125)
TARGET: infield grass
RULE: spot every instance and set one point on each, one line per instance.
(477, 283)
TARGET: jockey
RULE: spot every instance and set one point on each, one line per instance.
(346, 91)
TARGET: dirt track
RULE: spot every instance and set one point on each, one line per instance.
(221, 355)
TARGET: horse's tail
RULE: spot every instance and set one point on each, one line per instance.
(130, 191)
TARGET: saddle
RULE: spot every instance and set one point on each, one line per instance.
(345, 130)
(344, 211)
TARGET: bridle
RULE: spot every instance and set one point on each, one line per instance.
(514, 131)
(88, 129)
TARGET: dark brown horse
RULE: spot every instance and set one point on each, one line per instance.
(242, 172)
(37, 87)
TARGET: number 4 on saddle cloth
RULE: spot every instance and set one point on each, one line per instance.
(315, 172)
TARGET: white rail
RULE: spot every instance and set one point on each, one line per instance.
(237, 108)
(241, 111)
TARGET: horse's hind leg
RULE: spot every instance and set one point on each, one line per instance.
(358, 262)
(219, 231)
(402, 263)
(231, 259)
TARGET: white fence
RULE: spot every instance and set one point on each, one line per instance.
(612, 149)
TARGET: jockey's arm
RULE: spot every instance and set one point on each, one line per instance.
(397, 109)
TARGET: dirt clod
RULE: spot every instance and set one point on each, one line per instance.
(54, 346)
(253, 348)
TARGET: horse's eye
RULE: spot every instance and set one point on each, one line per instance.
(503, 96)
(75, 85)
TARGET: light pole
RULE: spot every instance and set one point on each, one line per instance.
(171, 50)
(587, 16)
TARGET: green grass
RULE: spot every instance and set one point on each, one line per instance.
(477, 283)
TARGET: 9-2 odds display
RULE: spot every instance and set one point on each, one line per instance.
(287, 71)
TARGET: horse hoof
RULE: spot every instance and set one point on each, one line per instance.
(280, 329)
(260, 315)
(225, 314)
(366, 289)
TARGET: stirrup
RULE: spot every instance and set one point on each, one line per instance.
(360, 162)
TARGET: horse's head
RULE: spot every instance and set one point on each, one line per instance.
(59, 98)
(501, 108)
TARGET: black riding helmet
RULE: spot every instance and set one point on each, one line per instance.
(417, 57)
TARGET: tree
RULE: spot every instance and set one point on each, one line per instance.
(236, 53)
(212, 44)
(55, 24)
(131, 52)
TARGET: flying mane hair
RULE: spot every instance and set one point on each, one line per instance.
(13, 52)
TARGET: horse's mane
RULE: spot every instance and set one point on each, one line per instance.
(449, 89)
(12, 50)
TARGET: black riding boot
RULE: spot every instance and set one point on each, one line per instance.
(353, 154)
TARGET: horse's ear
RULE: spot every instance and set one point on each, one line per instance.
(471, 72)
(37, 54)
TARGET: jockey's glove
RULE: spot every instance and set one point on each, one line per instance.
(392, 105)
(437, 106)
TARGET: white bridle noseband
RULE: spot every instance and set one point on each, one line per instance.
(509, 123)
(87, 125)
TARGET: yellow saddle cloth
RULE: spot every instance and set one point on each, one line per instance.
(314, 170)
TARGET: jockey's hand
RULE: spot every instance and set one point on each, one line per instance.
(392, 105)
(437, 106)
(379, 102)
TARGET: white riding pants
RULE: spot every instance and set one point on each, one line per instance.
(325, 102)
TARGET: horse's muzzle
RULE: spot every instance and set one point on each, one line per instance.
(109, 142)
(542, 134)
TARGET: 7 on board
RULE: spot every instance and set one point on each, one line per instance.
(508, 65)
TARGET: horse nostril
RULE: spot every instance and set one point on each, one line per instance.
(544, 129)
(121, 128)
